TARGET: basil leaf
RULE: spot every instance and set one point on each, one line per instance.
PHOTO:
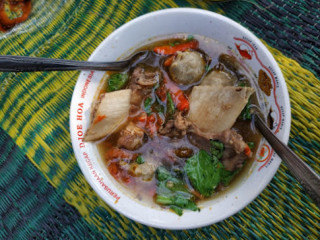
(117, 81)
(203, 173)
(172, 192)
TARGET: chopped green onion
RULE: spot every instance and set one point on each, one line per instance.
(251, 145)
(117, 81)
(140, 160)
(190, 38)
(172, 44)
(216, 149)
(246, 113)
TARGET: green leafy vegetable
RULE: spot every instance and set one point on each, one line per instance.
(246, 114)
(153, 105)
(147, 105)
(172, 192)
(117, 81)
(140, 159)
(177, 210)
(162, 174)
(207, 68)
(158, 106)
(227, 176)
(170, 106)
(203, 172)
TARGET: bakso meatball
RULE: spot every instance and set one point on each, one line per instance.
(187, 67)
(131, 137)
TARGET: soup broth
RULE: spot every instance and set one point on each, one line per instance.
(184, 134)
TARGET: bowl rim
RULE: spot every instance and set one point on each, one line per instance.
(285, 93)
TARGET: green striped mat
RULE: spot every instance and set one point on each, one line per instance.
(43, 194)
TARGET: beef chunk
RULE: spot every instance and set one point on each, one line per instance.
(146, 76)
(234, 162)
(131, 137)
(175, 128)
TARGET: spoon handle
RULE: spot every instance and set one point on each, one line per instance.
(308, 178)
(34, 64)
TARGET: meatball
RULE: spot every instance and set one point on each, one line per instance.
(187, 67)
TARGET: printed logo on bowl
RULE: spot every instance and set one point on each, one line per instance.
(81, 119)
(249, 52)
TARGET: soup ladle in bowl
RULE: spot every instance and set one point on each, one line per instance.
(35, 64)
(308, 178)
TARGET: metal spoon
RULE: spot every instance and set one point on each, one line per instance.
(34, 64)
(308, 178)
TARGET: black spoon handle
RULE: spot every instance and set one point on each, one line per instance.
(34, 64)
(308, 178)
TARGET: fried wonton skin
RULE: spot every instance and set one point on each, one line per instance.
(214, 109)
(110, 113)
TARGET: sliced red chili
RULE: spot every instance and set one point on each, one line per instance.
(178, 96)
(114, 153)
(168, 50)
(99, 118)
(168, 61)
(21, 8)
(114, 169)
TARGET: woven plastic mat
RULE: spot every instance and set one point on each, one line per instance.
(43, 194)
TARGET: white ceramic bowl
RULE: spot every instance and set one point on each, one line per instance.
(139, 31)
